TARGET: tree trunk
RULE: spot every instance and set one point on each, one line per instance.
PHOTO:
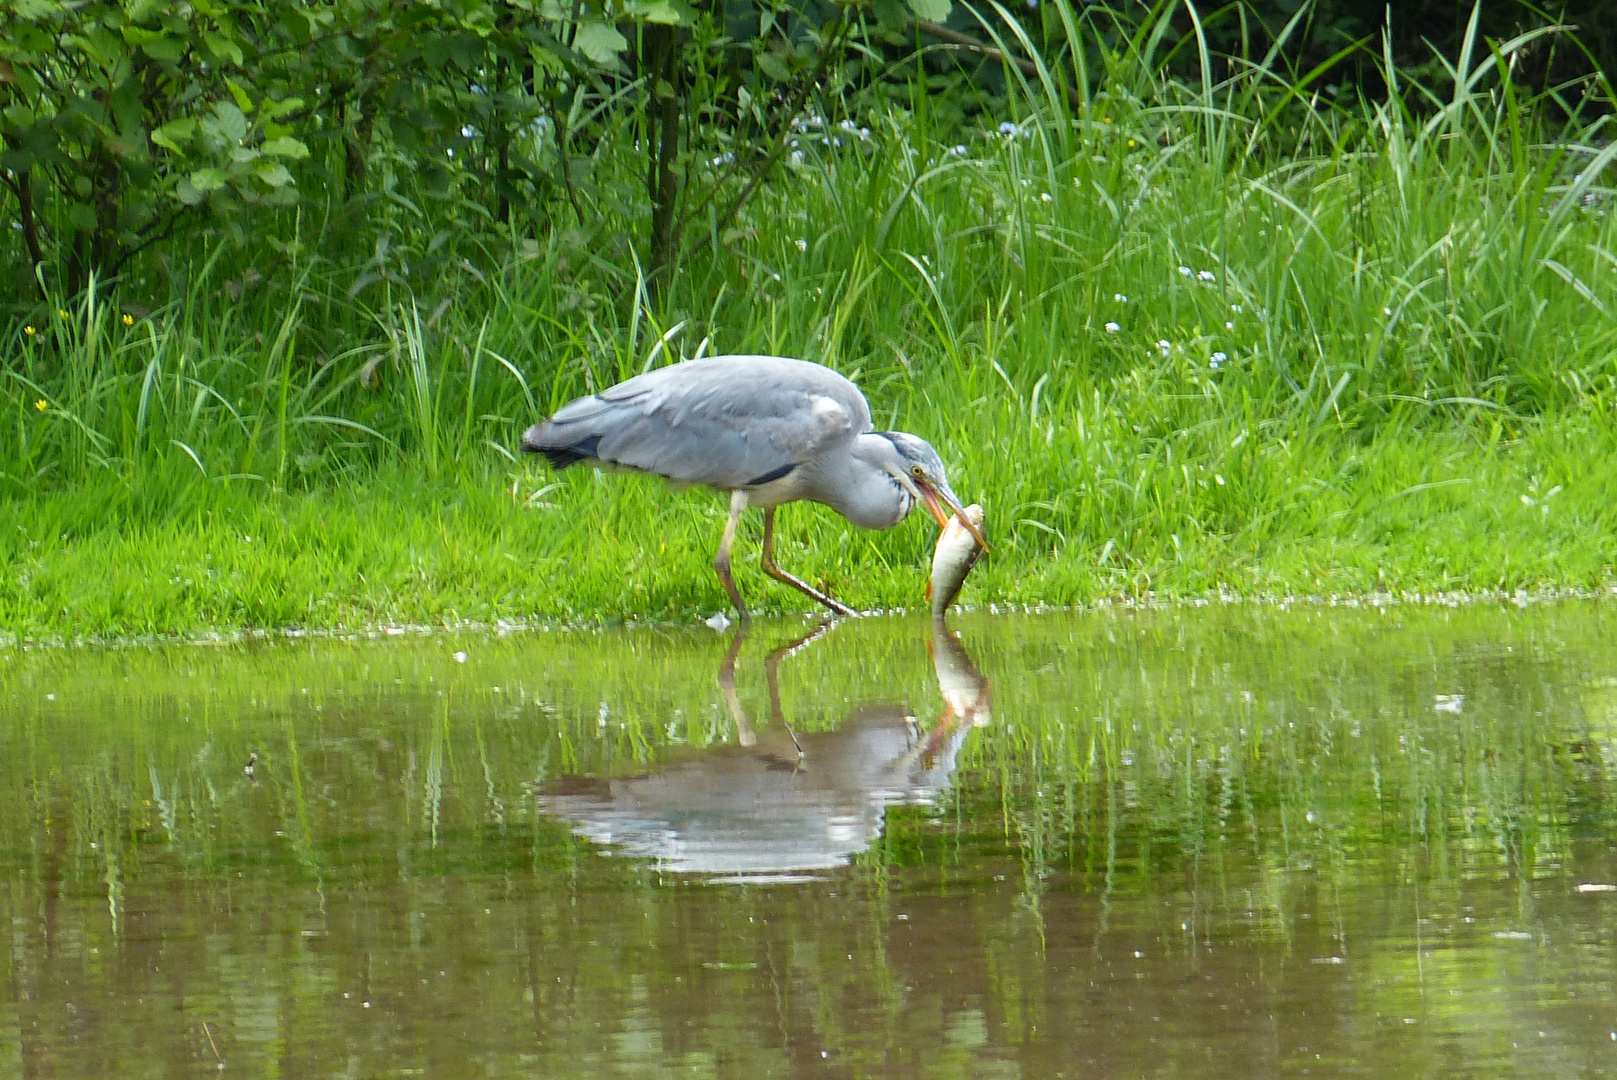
(501, 133)
(662, 129)
(24, 188)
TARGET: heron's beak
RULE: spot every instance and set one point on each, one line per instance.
(936, 498)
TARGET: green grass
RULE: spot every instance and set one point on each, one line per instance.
(1412, 307)
(1421, 513)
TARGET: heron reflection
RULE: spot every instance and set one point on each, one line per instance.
(776, 803)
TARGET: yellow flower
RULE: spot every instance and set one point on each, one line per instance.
(61, 314)
(1131, 144)
(40, 404)
(29, 330)
(129, 320)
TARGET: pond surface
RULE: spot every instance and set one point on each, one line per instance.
(1217, 842)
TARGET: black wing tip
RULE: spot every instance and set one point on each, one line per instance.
(559, 456)
(772, 475)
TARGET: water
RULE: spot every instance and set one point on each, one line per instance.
(1210, 843)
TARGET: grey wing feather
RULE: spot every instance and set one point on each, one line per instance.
(725, 421)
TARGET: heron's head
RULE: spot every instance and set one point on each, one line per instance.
(918, 469)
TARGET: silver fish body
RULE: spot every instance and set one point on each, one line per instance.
(952, 560)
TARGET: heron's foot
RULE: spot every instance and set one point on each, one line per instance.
(808, 590)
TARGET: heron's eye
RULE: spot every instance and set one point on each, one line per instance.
(917, 471)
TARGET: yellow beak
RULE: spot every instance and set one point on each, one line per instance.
(935, 501)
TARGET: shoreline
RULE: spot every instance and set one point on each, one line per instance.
(1520, 598)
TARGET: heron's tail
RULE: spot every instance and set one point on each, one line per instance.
(560, 446)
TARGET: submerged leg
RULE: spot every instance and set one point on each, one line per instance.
(721, 561)
(797, 583)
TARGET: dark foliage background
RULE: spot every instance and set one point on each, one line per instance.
(1422, 29)
(136, 133)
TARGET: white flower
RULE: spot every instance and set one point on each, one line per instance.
(960, 151)
(1120, 298)
(1207, 275)
(797, 157)
(468, 132)
(1236, 308)
(1112, 328)
(1216, 360)
(802, 245)
(1218, 479)
(723, 159)
(1166, 346)
(1229, 325)
(1185, 271)
(1046, 197)
(1387, 311)
(1007, 128)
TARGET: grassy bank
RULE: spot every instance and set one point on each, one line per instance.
(1404, 513)
(1186, 339)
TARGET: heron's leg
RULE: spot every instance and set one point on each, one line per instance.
(727, 683)
(721, 561)
(782, 576)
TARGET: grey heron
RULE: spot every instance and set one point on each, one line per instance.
(765, 429)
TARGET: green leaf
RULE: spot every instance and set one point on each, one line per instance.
(81, 217)
(231, 121)
(127, 109)
(667, 12)
(164, 47)
(287, 147)
(932, 10)
(222, 47)
(186, 192)
(206, 180)
(600, 42)
(272, 173)
(244, 101)
(174, 133)
(277, 109)
(891, 13)
(772, 65)
(144, 10)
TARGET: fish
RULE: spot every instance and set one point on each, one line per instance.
(956, 554)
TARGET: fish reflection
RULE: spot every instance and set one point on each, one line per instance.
(778, 804)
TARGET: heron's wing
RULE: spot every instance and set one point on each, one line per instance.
(726, 421)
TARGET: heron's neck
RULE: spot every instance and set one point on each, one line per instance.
(857, 486)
